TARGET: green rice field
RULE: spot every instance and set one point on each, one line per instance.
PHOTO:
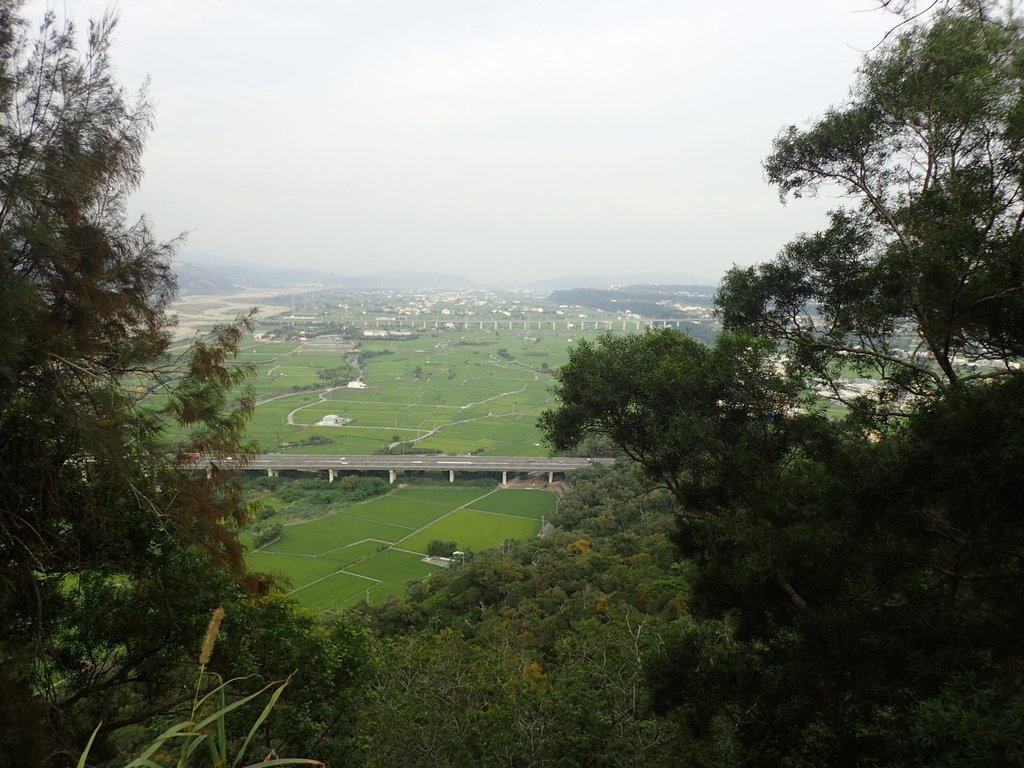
(448, 391)
(372, 550)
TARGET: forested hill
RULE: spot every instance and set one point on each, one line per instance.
(647, 300)
(539, 653)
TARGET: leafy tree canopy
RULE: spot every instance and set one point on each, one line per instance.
(920, 275)
(851, 588)
(686, 412)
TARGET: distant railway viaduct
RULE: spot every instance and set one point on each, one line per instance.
(582, 324)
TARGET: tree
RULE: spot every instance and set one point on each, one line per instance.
(441, 548)
(112, 555)
(918, 281)
(849, 600)
(685, 412)
(850, 590)
(84, 528)
(719, 427)
(325, 664)
(903, 551)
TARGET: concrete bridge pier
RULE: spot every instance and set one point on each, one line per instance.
(551, 477)
(451, 475)
(392, 476)
(504, 477)
(330, 475)
(271, 473)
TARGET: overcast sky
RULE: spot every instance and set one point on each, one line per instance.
(505, 140)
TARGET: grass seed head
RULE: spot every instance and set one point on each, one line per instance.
(211, 636)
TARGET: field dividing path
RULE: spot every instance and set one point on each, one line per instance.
(442, 517)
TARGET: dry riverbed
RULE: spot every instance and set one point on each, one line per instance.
(197, 313)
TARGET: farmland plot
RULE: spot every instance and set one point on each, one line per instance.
(371, 550)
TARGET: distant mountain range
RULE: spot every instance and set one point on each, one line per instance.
(203, 274)
(621, 279)
(200, 275)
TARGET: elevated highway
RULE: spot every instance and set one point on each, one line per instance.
(273, 463)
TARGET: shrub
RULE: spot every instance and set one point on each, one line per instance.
(441, 548)
(264, 534)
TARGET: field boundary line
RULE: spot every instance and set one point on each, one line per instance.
(329, 575)
(371, 520)
(263, 551)
(354, 544)
(502, 514)
(442, 517)
(408, 551)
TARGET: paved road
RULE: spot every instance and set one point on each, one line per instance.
(464, 463)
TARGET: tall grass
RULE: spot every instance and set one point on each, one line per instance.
(182, 744)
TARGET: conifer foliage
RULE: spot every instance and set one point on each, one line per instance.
(111, 553)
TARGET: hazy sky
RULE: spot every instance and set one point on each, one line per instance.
(506, 140)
